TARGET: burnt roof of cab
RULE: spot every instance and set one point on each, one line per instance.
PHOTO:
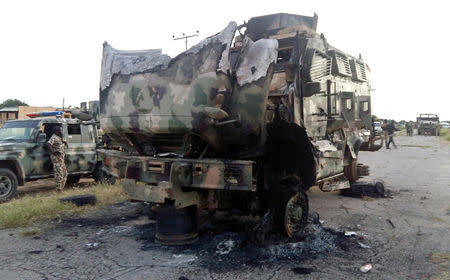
(263, 26)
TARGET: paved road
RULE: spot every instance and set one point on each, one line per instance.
(408, 235)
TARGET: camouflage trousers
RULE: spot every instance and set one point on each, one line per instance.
(60, 171)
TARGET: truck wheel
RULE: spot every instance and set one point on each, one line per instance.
(351, 171)
(176, 227)
(292, 209)
(8, 184)
(296, 214)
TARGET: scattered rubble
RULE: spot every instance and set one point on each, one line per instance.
(364, 246)
(390, 222)
(91, 246)
(365, 268)
(225, 247)
(35, 252)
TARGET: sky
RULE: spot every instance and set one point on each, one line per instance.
(50, 50)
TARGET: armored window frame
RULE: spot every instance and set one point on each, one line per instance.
(74, 133)
(282, 59)
(48, 129)
(87, 134)
(347, 101)
(364, 106)
(347, 104)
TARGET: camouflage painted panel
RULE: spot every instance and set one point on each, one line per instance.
(193, 92)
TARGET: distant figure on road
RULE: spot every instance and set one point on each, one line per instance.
(57, 148)
(390, 128)
(411, 128)
(384, 137)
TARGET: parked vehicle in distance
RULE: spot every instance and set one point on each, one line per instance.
(428, 124)
(445, 125)
(377, 128)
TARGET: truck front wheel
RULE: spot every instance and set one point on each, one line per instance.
(296, 214)
(8, 184)
(351, 171)
(292, 212)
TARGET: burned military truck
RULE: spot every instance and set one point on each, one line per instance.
(244, 120)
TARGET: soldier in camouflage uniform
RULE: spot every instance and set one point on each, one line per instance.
(57, 148)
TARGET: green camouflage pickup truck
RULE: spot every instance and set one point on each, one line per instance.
(24, 156)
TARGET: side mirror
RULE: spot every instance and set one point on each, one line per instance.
(42, 138)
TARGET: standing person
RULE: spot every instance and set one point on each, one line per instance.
(385, 133)
(390, 128)
(407, 128)
(57, 148)
(411, 126)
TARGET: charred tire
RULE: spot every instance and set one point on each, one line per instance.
(176, 226)
(351, 171)
(296, 214)
(72, 180)
(8, 184)
(80, 200)
(288, 190)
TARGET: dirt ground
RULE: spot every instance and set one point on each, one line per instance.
(404, 237)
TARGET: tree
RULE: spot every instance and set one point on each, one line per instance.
(12, 103)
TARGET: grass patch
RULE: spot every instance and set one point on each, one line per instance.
(445, 134)
(31, 209)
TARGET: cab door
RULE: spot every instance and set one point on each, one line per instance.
(41, 163)
(81, 150)
(89, 142)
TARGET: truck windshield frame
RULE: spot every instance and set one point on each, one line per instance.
(18, 131)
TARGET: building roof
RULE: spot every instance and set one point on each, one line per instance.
(10, 109)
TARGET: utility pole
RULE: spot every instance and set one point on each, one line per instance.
(185, 37)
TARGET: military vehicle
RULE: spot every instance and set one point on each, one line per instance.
(24, 156)
(428, 124)
(242, 120)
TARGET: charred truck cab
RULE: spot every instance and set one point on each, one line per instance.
(243, 120)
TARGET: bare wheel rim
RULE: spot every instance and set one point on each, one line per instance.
(5, 186)
(351, 171)
(293, 216)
